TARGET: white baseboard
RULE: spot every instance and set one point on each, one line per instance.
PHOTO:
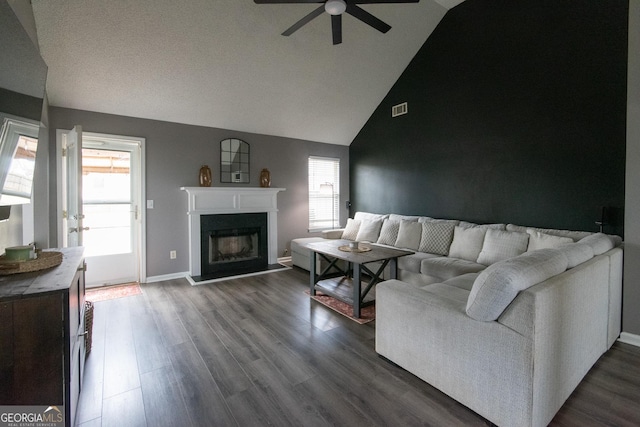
(163, 277)
(239, 276)
(628, 338)
(284, 259)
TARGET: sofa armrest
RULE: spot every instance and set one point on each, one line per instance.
(332, 234)
(427, 331)
(566, 316)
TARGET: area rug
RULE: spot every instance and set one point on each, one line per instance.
(367, 314)
(113, 292)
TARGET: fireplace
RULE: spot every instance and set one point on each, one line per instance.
(233, 244)
(222, 203)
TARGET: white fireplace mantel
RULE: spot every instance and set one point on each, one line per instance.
(229, 200)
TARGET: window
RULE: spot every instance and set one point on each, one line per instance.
(18, 145)
(324, 193)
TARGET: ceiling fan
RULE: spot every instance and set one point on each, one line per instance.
(336, 8)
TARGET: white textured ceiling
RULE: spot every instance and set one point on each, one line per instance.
(224, 64)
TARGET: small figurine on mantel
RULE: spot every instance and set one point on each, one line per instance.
(265, 178)
(205, 176)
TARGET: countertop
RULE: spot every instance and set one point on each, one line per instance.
(55, 279)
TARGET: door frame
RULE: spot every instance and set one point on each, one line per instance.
(142, 267)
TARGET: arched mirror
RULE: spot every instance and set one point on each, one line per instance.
(234, 161)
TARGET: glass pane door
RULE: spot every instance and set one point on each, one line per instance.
(107, 202)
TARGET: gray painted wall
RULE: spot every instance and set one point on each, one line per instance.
(631, 298)
(174, 154)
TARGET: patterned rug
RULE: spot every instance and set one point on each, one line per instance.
(367, 314)
(113, 292)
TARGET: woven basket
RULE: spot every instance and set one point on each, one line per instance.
(43, 261)
(88, 326)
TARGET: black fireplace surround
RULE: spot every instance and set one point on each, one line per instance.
(232, 244)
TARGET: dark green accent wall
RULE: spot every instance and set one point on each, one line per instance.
(516, 113)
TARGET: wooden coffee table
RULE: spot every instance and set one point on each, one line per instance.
(333, 280)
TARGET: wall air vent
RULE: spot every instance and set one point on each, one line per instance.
(398, 110)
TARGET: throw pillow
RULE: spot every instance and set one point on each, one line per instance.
(436, 237)
(539, 240)
(369, 231)
(499, 245)
(409, 235)
(599, 242)
(389, 232)
(467, 243)
(396, 217)
(466, 224)
(351, 229)
(498, 285)
(576, 253)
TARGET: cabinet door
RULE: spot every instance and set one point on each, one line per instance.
(77, 334)
(33, 349)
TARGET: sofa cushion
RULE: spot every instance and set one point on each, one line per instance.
(333, 234)
(436, 237)
(369, 230)
(445, 268)
(576, 253)
(574, 235)
(500, 245)
(369, 216)
(495, 288)
(466, 224)
(467, 243)
(540, 240)
(389, 232)
(351, 229)
(429, 219)
(409, 235)
(599, 242)
(454, 294)
(413, 262)
(396, 217)
(464, 281)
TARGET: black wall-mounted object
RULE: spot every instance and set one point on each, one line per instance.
(518, 115)
(229, 225)
(5, 213)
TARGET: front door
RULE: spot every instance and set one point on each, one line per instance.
(111, 193)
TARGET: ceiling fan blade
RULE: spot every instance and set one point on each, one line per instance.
(336, 28)
(286, 1)
(295, 27)
(367, 18)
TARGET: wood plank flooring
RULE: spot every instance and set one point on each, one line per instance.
(257, 351)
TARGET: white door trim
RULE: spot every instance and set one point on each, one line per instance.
(142, 211)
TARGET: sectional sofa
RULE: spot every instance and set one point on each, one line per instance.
(506, 319)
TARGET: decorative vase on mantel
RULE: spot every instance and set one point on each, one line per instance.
(205, 176)
(265, 178)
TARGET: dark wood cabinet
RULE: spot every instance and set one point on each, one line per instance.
(42, 346)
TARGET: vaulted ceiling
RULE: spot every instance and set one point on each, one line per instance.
(224, 64)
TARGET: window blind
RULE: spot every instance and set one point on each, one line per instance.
(324, 193)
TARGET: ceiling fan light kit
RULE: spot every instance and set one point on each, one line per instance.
(336, 8)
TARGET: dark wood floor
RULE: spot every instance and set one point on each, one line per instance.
(258, 351)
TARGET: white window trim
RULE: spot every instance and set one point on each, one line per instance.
(327, 178)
